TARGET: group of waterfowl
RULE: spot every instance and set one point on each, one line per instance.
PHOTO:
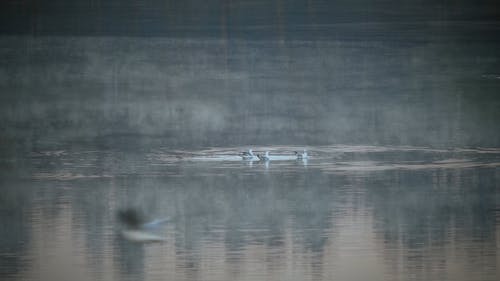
(249, 155)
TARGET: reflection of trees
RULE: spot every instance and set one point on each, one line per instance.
(14, 199)
(251, 209)
(426, 212)
(260, 203)
(273, 213)
(311, 204)
(130, 259)
(260, 210)
(428, 205)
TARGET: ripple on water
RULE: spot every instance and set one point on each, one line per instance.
(72, 165)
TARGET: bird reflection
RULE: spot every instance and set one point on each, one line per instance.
(264, 157)
(301, 156)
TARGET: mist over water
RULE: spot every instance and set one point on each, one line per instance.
(107, 107)
(215, 92)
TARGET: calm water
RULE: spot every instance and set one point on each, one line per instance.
(98, 98)
(348, 213)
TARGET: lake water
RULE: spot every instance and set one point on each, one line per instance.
(347, 213)
(106, 107)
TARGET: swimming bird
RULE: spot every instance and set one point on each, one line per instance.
(302, 155)
(247, 155)
(264, 157)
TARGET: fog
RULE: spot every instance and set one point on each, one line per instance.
(217, 92)
(147, 105)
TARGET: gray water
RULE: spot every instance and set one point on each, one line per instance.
(91, 125)
(347, 213)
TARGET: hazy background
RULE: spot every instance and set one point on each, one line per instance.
(217, 73)
(106, 105)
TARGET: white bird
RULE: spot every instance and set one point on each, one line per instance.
(248, 155)
(264, 157)
(302, 155)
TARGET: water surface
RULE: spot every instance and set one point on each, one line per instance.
(347, 213)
